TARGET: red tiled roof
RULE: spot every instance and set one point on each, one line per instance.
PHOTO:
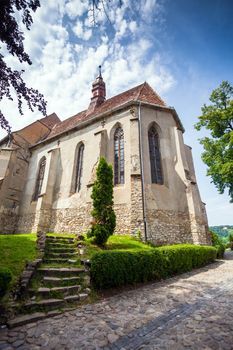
(50, 120)
(143, 93)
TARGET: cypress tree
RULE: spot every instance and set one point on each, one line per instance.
(103, 212)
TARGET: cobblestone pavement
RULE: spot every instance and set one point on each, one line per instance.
(190, 311)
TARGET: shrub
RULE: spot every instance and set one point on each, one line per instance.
(118, 268)
(230, 238)
(218, 244)
(102, 195)
(5, 279)
(184, 257)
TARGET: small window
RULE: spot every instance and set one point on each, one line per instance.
(40, 178)
(155, 158)
(79, 168)
(119, 171)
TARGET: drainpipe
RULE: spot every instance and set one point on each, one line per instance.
(142, 171)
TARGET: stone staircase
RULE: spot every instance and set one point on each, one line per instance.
(60, 282)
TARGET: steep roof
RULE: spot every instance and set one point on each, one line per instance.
(142, 92)
(50, 120)
(36, 131)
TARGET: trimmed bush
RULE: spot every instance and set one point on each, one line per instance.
(5, 279)
(230, 238)
(185, 257)
(218, 244)
(103, 212)
(118, 268)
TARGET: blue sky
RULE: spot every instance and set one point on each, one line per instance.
(183, 48)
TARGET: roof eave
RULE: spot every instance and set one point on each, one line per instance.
(111, 111)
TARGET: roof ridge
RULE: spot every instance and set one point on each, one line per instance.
(127, 91)
(154, 92)
(139, 93)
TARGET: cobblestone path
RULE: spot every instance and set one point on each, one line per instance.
(190, 311)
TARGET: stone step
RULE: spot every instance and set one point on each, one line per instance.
(58, 250)
(25, 319)
(62, 255)
(61, 272)
(43, 304)
(55, 260)
(72, 298)
(65, 291)
(51, 245)
(58, 238)
(60, 261)
(48, 304)
(57, 281)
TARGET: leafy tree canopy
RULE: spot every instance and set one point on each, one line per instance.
(12, 37)
(218, 149)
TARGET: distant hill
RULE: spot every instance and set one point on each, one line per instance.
(222, 231)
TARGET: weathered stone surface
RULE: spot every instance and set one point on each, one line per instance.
(21, 320)
(191, 311)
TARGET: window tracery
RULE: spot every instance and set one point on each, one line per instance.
(155, 157)
(119, 171)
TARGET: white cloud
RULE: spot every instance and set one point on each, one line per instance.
(63, 70)
(75, 8)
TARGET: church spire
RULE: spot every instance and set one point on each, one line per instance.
(98, 91)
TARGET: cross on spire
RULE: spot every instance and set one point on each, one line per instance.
(100, 75)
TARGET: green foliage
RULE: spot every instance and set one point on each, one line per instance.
(102, 195)
(218, 150)
(5, 278)
(118, 268)
(230, 238)
(218, 244)
(16, 251)
(222, 231)
(126, 242)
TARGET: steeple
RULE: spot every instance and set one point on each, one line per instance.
(98, 92)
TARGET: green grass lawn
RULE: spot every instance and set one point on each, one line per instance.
(15, 251)
(115, 242)
(125, 242)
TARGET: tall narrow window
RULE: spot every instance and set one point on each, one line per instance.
(155, 158)
(40, 178)
(119, 171)
(79, 168)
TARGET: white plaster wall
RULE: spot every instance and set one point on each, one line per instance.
(171, 195)
(63, 198)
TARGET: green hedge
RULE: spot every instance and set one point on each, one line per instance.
(218, 244)
(185, 257)
(118, 268)
(5, 279)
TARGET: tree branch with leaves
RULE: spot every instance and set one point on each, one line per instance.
(218, 149)
(12, 37)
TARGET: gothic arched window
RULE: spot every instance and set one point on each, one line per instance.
(155, 158)
(40, 178)
(119, 171)
(79, 168)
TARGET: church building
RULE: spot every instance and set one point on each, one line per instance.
(47, 170)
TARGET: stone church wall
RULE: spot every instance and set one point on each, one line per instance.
(173, 214)
(169, 207)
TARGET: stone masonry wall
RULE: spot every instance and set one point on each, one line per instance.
(168, 227)
(199, 231)
(136, 206)
(8, 221)
(123, 221)
(70, 220)
(28, 223)
(73, 220)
